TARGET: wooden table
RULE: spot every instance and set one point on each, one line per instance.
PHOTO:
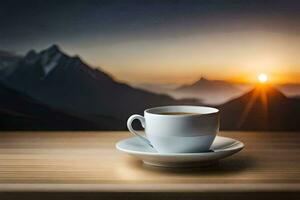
(86, 165)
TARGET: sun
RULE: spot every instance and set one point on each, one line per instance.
(262, 78)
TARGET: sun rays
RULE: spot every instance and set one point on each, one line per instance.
(258, 96)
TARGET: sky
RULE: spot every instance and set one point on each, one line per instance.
(163, 41)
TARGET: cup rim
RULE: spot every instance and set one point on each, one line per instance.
(205, 110)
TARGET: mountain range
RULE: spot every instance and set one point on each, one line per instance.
(50, 90)
(262, 108)
(210, 91)
(67, 84)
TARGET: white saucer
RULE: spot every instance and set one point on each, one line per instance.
(222, 147)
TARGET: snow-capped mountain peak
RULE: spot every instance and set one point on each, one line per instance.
(53, 49)
(49, 55)
(48, 59)
(48, 67)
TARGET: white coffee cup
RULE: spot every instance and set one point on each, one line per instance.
(181, 133)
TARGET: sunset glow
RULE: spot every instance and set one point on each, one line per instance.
(176, 43)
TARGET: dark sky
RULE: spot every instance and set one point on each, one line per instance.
(25, 24)
(105, 32)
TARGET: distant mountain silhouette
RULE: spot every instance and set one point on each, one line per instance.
(263, 108)
(21, 112)
(50, 90)
(211, 91)
(7, 58)
(207, 85)
(68, 84)
(290, 89)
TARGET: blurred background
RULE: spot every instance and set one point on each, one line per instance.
(89, 65)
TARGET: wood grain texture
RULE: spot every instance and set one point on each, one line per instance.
(88, 161)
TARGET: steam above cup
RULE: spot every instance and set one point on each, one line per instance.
(178, 129)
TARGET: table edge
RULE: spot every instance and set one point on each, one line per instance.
(224, 187)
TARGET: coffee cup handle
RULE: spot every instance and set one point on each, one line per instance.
(129, 126)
